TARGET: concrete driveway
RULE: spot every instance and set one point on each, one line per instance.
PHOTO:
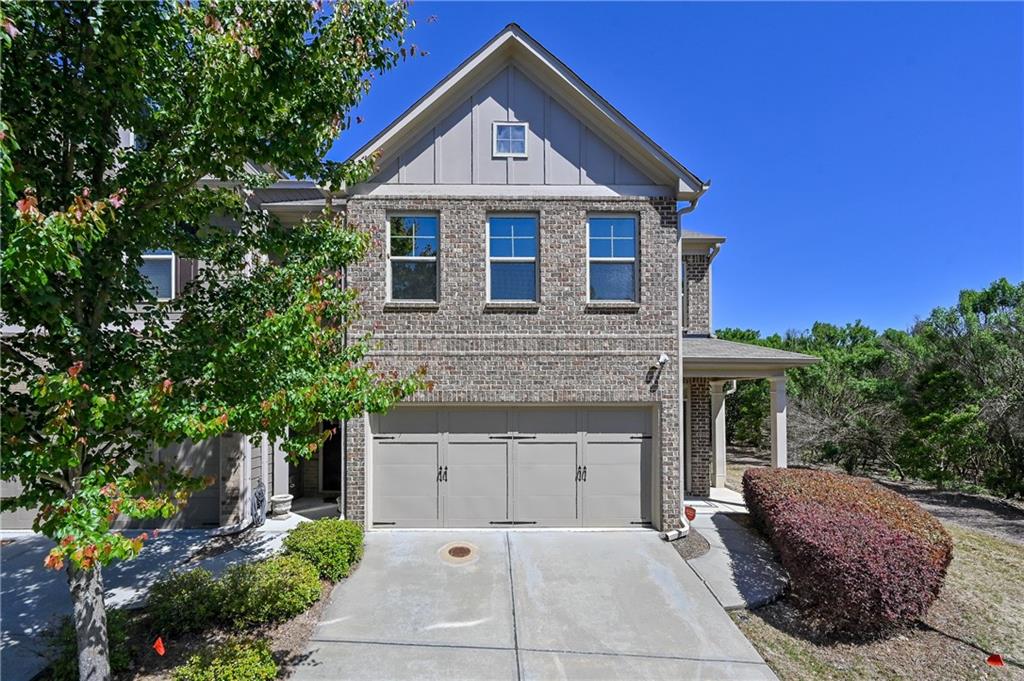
(525, 605)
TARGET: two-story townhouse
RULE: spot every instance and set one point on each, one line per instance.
(530, 250)
(530, 253)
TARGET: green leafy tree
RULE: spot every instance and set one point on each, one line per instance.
(97, 372)
(943, 402)
(964, 398)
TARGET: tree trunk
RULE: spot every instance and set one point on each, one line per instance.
(90, 616)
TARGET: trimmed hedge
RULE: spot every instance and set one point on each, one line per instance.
(331, 544)
(184, 602)
(861, 557)
(272, 590)
(235, 660)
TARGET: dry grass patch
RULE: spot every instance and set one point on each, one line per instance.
(980, 610)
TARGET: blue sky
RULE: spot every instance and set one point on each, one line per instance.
(867, 160)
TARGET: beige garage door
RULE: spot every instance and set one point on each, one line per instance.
(543, 467)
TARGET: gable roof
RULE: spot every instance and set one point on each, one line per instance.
(513, 44)
(709, 356)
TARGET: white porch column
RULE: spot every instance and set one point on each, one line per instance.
(777, 417)
(718, 431)
(280, 469)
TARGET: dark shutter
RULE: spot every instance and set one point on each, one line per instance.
(186, 271)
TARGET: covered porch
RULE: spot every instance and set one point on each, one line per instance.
(721, 363)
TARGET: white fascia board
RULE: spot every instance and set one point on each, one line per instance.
(527, 191)
(425, 102)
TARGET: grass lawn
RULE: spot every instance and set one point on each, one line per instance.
(980, 610)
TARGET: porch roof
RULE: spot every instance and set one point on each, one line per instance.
(704, 356)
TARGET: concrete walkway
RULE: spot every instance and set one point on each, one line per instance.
(525, 605)
(33, 599)
(740, 569)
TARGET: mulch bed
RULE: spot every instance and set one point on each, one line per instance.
(287, 641)
(693, 545)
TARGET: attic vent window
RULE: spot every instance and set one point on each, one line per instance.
(510, 140)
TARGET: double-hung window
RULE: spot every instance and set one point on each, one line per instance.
(158, 270)
(412, 262)
(611, 266)
(512, 258)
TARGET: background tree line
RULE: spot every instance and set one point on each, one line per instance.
(942, 402)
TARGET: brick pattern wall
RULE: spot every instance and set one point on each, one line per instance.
(564, 351)
(701, 461)
(697, 315)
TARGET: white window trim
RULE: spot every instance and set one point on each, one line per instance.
(412, 258)
(505, 258)
(635, 260)
(494, 140)
(174, 271)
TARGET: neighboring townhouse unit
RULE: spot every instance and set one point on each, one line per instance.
(530, 253)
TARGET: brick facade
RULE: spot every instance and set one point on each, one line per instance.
(697, 292)
(701, 459)
(562, 351)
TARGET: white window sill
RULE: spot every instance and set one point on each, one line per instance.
(511, 306)
(411, 306)
(604, 306)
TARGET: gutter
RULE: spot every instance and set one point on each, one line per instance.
(684, 524)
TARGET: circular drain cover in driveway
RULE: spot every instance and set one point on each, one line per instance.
(458, 553)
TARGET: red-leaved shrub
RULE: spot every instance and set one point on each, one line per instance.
(863, 558)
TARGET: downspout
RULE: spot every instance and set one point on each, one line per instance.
(343, 425)
(684, 524)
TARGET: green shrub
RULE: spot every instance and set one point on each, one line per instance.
(65, 640)
(330, 544)
(235, 660)
(184, 602)
(276, 589)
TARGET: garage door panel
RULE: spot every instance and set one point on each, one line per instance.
(479, 421)
(547, 421)
(615, 490)
(545, 482)
(476, 491)
(618, 421)
(413, 420)
(405, 485)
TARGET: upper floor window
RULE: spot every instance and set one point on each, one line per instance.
(512, 258)
(510, 140)
(611, 266)
(158, 269)
(412, 263)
